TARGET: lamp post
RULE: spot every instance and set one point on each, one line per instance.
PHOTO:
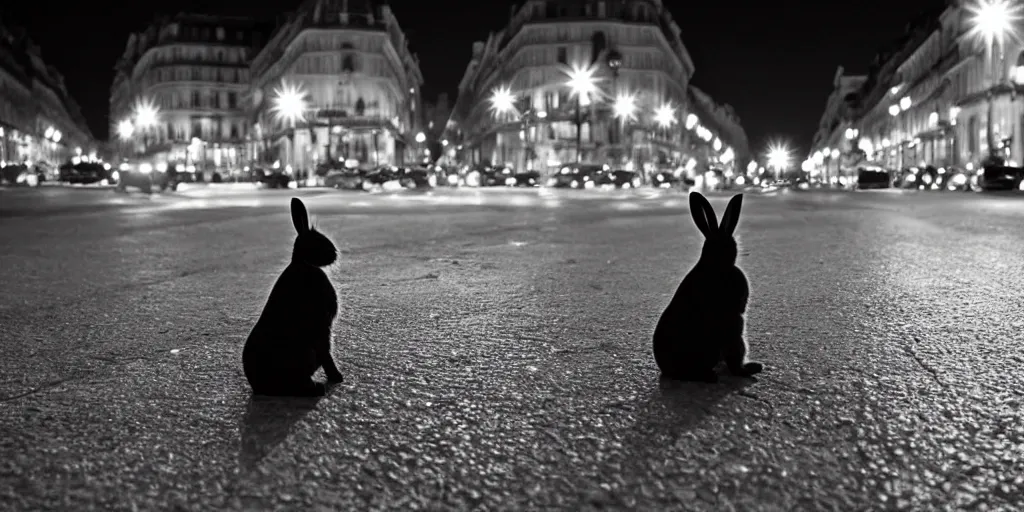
(991, 22)
(624, 110)
(125, 129)
(289, 106)
(420, 138)
(582, 84)
(614, 60)
(665, 117)
(146, 115)
(778, 158)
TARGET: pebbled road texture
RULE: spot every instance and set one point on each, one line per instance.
(496, 349)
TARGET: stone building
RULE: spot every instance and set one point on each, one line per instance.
(39, 122)
(931, 98)
(631, 50)
(177, 96)
(351, 85)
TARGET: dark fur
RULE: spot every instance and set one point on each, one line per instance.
(292, 338)
(703, 324)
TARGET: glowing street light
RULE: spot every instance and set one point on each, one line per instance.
(778, 158)
(502, 101)
(665, 115)
(146, 113)
(582, 84)
(125, 129)
(625, 107)
(289, 104)
(991, 22)
(420, 137)
(691, 121)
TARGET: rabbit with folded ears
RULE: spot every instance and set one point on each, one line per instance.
(704, 323)
(292, 337)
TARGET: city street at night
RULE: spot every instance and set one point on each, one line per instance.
(496, 349)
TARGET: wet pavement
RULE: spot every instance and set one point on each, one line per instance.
(496, 350)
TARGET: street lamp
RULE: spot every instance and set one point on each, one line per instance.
(665, 116)
(582, 84)
(778, 158)
(503, 103)
(991, 22)
(146, 115)
(625, 107)
(289, 106)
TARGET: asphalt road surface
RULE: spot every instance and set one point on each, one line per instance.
(496, 351)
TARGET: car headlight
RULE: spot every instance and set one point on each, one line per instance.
(473, 179)
(552, 182)
(432, 180)
(959, 179)
(1021, 186)
(115, 175)
(161, 167)
(510, 182)
(588, 184)
(575, 184)
(927, 179)
(911, 178)
(145, 168)
(453, 179)
(636, 182)
(123, 166)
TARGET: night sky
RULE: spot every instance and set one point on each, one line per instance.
(773, 61)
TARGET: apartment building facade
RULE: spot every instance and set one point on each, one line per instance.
(359, 84)
(39, 121)
(177, 95)
(628, 49)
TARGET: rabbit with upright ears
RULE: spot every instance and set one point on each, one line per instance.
(292, 337)
(704, 323)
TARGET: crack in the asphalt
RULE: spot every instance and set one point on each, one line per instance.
(43, 387)
(911, 350)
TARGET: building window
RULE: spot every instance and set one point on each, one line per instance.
(220, 33)
(598, 44)
(196, 100)
(216, 99)
(563, 55)
(360, 107)
(234, 131)
(197, 129)
(232, 100)
(348, 64)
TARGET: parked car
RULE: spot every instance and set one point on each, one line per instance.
(524, 179)
(19, 174)
(954, 179)
(576, 176)
(619, 178)
(417, 177)
(998, 177)
(872, 178)
(84, 173)
(348, 178)
(271, 178)
(665, 178)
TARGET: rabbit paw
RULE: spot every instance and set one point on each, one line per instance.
(751, 368)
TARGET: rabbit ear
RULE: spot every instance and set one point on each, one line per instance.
(703, 215)
(732, 215)
(299, 216)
